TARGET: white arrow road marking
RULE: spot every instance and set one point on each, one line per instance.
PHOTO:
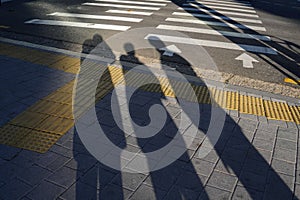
(170, 50)
(210, 43)
(78, 24)
(247, 60)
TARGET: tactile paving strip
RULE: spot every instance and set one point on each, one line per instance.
(229, 100)
(41, 125)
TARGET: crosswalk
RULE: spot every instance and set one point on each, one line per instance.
(225, 24)
(230, 25)
(122, 8)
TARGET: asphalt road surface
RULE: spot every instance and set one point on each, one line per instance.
(255, 39)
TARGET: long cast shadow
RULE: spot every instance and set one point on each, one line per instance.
(236, 152)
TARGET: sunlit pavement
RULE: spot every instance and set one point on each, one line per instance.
(42, 156)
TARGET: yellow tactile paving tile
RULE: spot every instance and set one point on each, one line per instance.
(38, 141)
(67, 64)
(11, 135)
(43, 123)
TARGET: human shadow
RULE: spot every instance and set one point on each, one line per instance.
(94, 177)
(179, 179)
(236, 153)
(285, 60)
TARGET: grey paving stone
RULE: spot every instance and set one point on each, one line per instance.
(234, 113)
(140, 100)
(112, 191)
(286, 144)
(252, 180)
(288, 180)
(62, 151)
(244, 134)
(46, 158)
(287, 134)
(230, 167)
(130, 181)
(9, 171)
(34, 174)
(8, 153)
(237, 143)
(66, 137)
(187, 156)
(25, 158)
(262, 134)
(259, 155)
(179, 193)
(58, 163)
(165, 178)
(248, 117)
(256, 167)
(298, 176)
(267, 127)
(2, 162)
(214, 193)
(80, 191)
(64, 177)
(234, 155)
(45, 190)
(200, 166)
(134, 142)
(223, 181)
(14, 189)
(263, 144)
(81, 162)
(98, 177)
(279, 186)
(242, 193)
(297, 191)
(212, 156)
(284, 154)
(195, 144)
(292, 125)
(262, 119)
(278, 123)
(191, 181)
(283, 167)
(148, 193)
(246, 124)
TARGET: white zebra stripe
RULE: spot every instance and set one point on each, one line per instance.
(223, 24)
(210, 43)
(218, 17)
(220, 7)
(132, 2)
(220, 1)
(129, 12)
(221, 4)
(220, 11)
(213, 32)
(121, 6)
(78, 24)
(104, 17)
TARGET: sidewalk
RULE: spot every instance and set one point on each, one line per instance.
(43, 157)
